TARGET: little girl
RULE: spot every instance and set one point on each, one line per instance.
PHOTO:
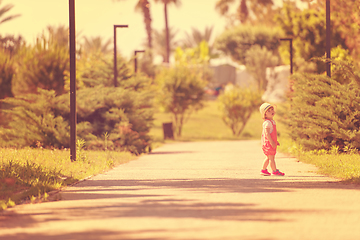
(269, 139)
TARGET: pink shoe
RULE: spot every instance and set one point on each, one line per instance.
(278, 173)
(265, 172)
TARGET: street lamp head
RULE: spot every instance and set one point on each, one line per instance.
(121, 26)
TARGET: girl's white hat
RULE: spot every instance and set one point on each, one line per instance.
(264, 107)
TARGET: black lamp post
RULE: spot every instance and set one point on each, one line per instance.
(291, 52)
(328, 38)
(72, 80)
(115, 52)
(135, 58)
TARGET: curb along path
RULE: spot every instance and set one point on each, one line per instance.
(198, 190)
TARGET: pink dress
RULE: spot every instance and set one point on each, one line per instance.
(265, 143)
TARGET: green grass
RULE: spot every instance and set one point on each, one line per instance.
(205, 125)
(28, 173)
(342, 166)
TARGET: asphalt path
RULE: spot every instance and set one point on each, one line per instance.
(197, 190)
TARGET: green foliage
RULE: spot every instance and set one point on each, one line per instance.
(38, 119)
(196, 58)
(11, 44)
(257, 59)
(4, 10)
(196, 55)
(32, 120)
(96, 69)
(43, 65)
(237, 104)
(124, 114)
(321, 116)
(7, 72)
(181, 91)
(342, 60)
(236, 41)
(197, 37)
(308, 30)
(41, 117)
(147, 66)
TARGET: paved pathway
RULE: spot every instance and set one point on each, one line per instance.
(201, 190)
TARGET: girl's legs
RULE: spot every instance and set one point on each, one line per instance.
(266, 163)
(272, 162)
(270, 159)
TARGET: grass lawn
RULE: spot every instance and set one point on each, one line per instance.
(206, 124)
(28, 174)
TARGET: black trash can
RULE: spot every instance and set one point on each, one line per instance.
(168, 130)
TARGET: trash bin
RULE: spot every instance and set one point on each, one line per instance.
(168, 130)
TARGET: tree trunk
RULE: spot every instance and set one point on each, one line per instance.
(243, 11)
(145, 6)
(167, 35)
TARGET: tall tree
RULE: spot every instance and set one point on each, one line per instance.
(4, 10)
(160, 39)
(144, 7)
(59, 35)
(196, 37)
(166, 3)
(43, 65)
(7, 47)
(345, 16)
(96, 44)
(236, 41)
(308, 30)
(247, 10)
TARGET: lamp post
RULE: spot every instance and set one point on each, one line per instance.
(328, 38)
(135, 59)
(291, 52)
(115, 52)
(72, 80)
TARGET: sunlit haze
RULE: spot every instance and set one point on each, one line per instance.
(97, 17)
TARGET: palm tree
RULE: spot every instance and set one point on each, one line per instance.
(4, 10)
(223, 7)
(95, 44)
(144, 7)
(58, 35)
(166, 2)
(196, 37)
(160, 39)
(245, 7)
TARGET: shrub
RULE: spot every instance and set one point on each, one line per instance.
(43, 65)
(181, 92)
(7, 72)
(237, 105)
(124, 115)
(31, 121)
(320, 115)
(95, 69)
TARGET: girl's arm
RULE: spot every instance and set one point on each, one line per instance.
(268, 136)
